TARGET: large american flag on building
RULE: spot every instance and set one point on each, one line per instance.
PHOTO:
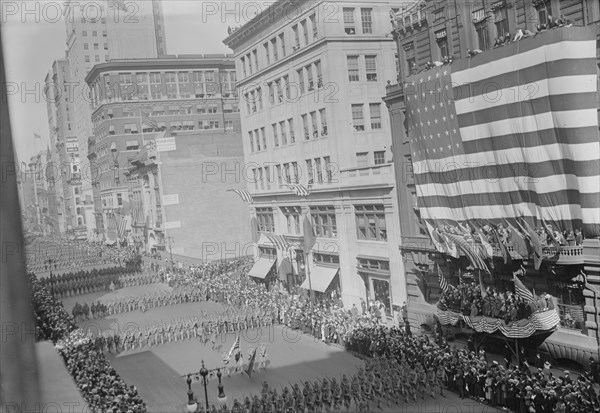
(510, 133)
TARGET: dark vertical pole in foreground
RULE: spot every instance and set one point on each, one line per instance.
(18, 380)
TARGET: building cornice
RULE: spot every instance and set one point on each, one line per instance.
(180, 62)
(278, 10)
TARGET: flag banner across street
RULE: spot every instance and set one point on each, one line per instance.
(510, 133)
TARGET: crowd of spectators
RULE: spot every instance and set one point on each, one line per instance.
(518, 388)
(467, 298)
(97, 381)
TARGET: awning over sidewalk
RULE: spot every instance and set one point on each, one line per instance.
(320, 277)
(261, 268)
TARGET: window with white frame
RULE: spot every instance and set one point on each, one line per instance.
(319, 70)
(275, 134)
(323, 117)
(292, 217)
(371, 68)
(315, 125)
(283, 133)
(370, 222)
(265, 219)
(305, 126)
(349, 25)
(362, 159)
(367, 20)
(375, 109)
(313, 24)
(358, 119)
(304, 31)
(301, 86)
(379, 157)
(353, 71)
(324, 221)
(291, 127)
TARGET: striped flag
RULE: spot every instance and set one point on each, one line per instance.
(472, 254)
(235, 348)
(149, 122)
(121, 225)
(443, 283)
(483, 153)
(245, 195)
(522, 291)
(281, 244)
(299, 189)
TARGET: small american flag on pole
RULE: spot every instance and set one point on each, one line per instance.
(245, 195)
(522, 291)
(299, 189)
(443, 283)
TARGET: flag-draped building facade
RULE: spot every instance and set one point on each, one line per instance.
(496, 146)
(318, 148)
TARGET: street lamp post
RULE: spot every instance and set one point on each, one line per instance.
(204, 372)
(222, 398)
(192, 405)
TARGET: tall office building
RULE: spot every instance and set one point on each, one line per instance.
(64, 169)
(178, 189)
(96, 33)
(311, 78)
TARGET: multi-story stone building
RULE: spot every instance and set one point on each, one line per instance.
(310, 84)
(426, 32)
(186, 106)
(64, 169)
(96, 33)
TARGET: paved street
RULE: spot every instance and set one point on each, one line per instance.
(293, 358)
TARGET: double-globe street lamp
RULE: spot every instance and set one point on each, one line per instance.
(192, 404)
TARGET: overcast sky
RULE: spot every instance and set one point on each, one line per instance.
(31, 46)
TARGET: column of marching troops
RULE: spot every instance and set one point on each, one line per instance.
(417, 369)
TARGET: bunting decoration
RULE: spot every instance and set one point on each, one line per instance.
(456, 131)
(543, 321)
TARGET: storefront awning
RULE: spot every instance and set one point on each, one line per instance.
(320, 278)
(261, 268)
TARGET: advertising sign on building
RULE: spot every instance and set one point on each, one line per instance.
(172, 199)
(166, 144)
(72, 144)
(172, 224)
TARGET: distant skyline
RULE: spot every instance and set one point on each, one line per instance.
(31, 47)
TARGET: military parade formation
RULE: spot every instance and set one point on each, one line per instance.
(399, 370)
